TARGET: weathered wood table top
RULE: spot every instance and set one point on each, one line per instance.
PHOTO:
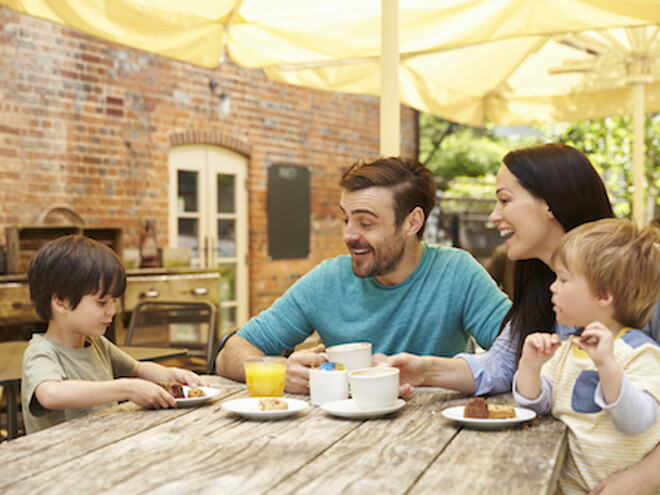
(11, 371)
(206, 449)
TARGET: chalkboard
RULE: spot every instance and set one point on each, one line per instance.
(288, 212)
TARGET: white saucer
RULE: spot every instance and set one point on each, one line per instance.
(348, 409)
(456, 414)
(193, 401)
(248, 408)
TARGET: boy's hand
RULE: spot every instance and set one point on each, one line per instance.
(598, 341)
(148, 394)
(186, 377)
(539, 348)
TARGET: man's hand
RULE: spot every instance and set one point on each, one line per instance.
(297, 370)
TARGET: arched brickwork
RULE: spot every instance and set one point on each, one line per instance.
(211, 138)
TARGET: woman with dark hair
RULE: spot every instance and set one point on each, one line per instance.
(558, 184)
(542, 192)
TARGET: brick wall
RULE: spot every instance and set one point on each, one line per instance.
(89, 124)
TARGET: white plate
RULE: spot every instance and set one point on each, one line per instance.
(349, 409)
(193, 401)
(456, 414)
(248, 408)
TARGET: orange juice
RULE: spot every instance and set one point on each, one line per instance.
(265, 377)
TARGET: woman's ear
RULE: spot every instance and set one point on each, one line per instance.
(415, 221)
(550, 214)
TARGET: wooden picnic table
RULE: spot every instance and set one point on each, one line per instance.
(206, 449)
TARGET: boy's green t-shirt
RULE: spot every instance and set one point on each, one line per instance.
(45, 360)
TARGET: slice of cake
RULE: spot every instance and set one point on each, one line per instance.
(476, 408)
(272, 405)
(496, 411)
(196, 392)
(175, 389)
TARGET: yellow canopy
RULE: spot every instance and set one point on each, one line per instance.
(469, 61)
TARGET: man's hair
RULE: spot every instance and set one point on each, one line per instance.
(71, 267)
(411, 183)
(616, 257)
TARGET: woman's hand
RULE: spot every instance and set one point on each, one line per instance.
(412, 369)
(626, 482)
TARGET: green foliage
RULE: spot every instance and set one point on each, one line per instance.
(465, 159)
(609, 145)
(450, 150)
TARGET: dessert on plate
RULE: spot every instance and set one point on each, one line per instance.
(272, 405)
(175, 389)
(196, 392)
(476, 408)
(479, 408)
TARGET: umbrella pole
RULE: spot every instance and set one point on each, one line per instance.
(638, 154)
(389, 79)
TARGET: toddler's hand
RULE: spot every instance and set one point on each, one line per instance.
(598, 341)
(539, 348)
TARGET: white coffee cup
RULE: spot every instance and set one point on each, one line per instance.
(374, 388)
(327, 385)
(352, 356)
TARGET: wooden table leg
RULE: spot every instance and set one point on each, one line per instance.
(11, 392)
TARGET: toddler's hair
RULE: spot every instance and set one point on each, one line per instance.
(617, 257)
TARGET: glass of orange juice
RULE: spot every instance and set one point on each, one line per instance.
(265, 376)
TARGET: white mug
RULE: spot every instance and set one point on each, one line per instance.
(327, 385)
(352, 356)
(374, 388)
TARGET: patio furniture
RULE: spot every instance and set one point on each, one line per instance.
(192, 325)
(207, 449)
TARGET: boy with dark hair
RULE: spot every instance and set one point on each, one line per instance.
(73, 370)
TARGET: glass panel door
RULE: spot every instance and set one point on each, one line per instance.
(188, 214)
(209, 195)
(228, 186)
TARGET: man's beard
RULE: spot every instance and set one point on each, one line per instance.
(381, 264)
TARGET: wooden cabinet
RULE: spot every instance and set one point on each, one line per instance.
(204, 286)
(141, 285)
(15, 304)
(22, 242)
(169, 287)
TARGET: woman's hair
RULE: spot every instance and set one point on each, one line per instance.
(615, 257)
(411, 183)
(71, 267)
(566, 180)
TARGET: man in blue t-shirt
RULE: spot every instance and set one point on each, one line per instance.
(394, 290)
